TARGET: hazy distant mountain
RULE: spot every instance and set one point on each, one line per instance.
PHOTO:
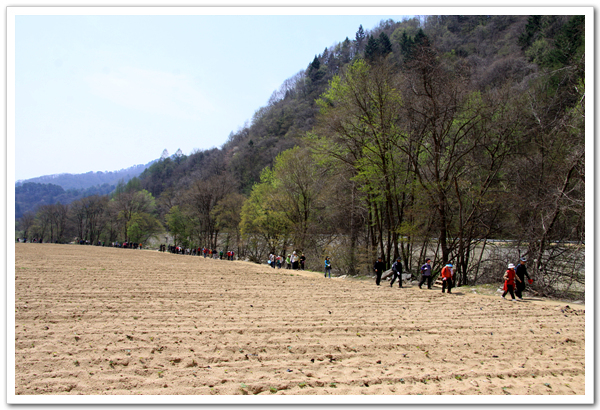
(89, 179)
(30, 195)
(66, 188)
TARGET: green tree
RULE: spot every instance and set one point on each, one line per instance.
(532, 27)
(130, 203)
(359, 38)
(299, 184)
(458, 142)
(360, 114)
(227, 214)
(385, 45)
(198, 203)
(178, 224)
(264, 226)
(372, 51)
(142, 226)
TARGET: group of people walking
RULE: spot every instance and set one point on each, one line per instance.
(206, 252)
(514, 280)
(447, 275)
(292, 261)
(129, 245)
(426, 274)
(514, 277)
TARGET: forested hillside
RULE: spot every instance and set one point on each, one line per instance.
(88, 179)
(32, 193)
(433, 137)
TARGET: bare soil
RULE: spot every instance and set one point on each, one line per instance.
(95, 321)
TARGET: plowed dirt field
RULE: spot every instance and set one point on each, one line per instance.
(94, 321)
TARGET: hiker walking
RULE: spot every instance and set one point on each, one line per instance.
(379, 268)
(521, 272)
(302, 260)
(327, 267)
(397, 271)
(426, 274)
(447, 278)
(294, 261)
(509, 281)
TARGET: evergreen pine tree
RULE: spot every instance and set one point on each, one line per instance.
(406, 43)
(345, 51)
(568, 41)
(385, 45)
(372, 49)
(360, 36)
(420, 38)
(313, 70)
(532, 27)
(315, 65)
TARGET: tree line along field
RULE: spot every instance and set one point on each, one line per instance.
(107, 321)
(434, 132)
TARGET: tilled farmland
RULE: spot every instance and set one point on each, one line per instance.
(106, 321)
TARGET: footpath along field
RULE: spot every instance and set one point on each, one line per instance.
(92, 320)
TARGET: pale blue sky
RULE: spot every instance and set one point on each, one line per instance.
(101, 93)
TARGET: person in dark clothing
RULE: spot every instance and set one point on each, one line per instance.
(379, 268)
(426, 274)
(302, 261)
(521, 272)
(397, 270)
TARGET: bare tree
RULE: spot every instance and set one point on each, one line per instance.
(26, 222)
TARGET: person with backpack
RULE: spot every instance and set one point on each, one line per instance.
(397, 271)
(426, 274)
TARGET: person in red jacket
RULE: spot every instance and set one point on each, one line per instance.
(509, 282)
(447, 278)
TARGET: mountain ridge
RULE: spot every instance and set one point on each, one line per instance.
(88, 179)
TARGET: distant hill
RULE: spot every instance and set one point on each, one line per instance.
(89, 179)
(30, 195)
(66, 188)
